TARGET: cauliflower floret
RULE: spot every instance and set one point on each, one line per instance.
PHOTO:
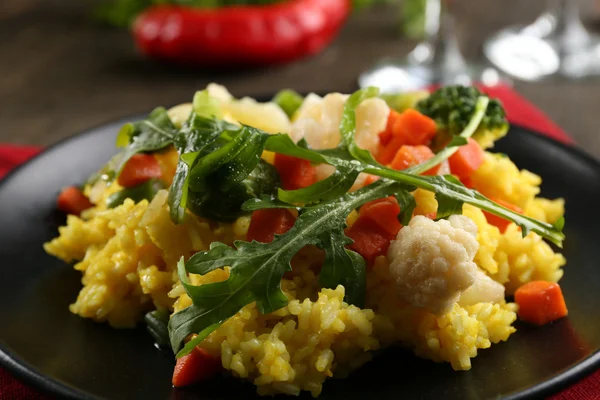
(318, 121)
(432, 262)
(371, 119)
(483, 290)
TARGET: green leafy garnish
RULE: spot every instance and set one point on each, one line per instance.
(197, 136)
(256, 269)
(152, 134)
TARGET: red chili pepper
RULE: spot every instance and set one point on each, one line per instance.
(256, 35)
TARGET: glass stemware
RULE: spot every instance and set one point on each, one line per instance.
(435, 61)
(555, 44)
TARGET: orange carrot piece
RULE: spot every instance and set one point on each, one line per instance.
(72, 201)
(540, 302)
(265, 224)
(466, 160)
(385, 154)
(295, 173)
(414, 127)
(386, 136)
(139, 169)
(497, 221)
(384, 213)
(409, 156)
(195, 367)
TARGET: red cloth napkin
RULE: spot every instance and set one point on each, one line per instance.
(519, 111)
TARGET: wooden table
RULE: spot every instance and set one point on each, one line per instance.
(61, 73)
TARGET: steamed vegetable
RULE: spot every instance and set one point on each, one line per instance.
(452, 107)
(432, 261)
(540, 302)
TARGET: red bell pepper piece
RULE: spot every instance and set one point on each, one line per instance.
(256, 35)
(295, 173)
(139, 169)
(265, 224)
(72, 201)
(195, 367)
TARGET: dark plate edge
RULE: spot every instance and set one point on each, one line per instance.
(30, 375)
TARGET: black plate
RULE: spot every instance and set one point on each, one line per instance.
(63, 354)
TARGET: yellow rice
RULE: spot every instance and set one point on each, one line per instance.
(128, 255)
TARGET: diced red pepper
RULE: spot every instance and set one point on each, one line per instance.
(195, 367)
(466, 160)
(500, 222)
(139, 169)
(265, 224)
(370, 240)
(295, 173)
(409, 156)
(384, 212)
(72, 201)
(377, 225)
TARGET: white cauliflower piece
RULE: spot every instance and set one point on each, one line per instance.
(432, 262)
(318, 121)
(483, 290)
(219, 92)
(371, 119)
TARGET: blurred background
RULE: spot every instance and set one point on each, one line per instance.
(62, 71)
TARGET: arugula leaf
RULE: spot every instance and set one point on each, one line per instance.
(152, 134)
(256, 269)
(197, 136)
(407, 204)
(330, 188)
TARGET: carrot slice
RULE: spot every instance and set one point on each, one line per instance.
(385, 154)
(386, 136)
(540, 302)
(139, 169)
(407, 128)
(466, 160)
(370, 240)
(265, 224)
(195, 367)
(409, 156)
(295, 173)
(72, 201)
(414, 127)
(384, 213)
(500, 222)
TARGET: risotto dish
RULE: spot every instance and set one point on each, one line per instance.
(287, 242)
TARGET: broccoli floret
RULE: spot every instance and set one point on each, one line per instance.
(452, 107)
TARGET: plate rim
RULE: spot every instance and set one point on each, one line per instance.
(31, 376)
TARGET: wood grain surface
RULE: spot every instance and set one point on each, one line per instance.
(60, 73)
